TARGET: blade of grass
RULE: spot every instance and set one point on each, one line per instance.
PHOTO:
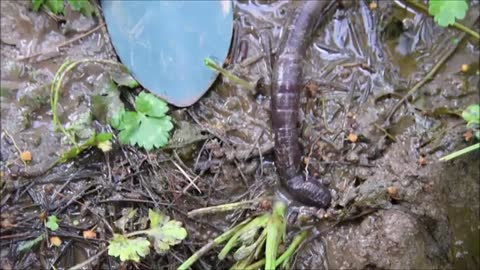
(232, 77)
(460, 152)
(224, 207)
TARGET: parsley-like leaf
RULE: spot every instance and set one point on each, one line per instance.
(150, 105)
(128, 249)
(165, 232)
(148, 127)
(52, 223)
(445, 12)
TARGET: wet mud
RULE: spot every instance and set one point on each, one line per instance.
(401, 207)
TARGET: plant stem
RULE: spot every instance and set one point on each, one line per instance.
(234, 78)
(218, 240)
(460, 152)
(135, 233)
(224, 207)
(459, 26)
(290, 250)
(275, 232)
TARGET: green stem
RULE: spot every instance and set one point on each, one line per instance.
(260, 221)
(275, 233)
(232, 77)
(297, 240)
(224, 207)
(459, 26)
(135, 233)
(460, 152)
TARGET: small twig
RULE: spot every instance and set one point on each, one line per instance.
(192, 182)
(85, 263)
(16, 146)
(459, 26)
(425, 79)
(57, 47)
(223, 207)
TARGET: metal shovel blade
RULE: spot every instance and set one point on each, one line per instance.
(163, 43)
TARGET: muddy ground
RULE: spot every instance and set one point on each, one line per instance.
(405, 209)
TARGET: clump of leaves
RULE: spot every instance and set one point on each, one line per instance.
(148, 126)
(253, 239)
(57, 6)
(445, 12)
(471, 115)
(163, 233)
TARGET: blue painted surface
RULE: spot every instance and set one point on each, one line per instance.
(163, 43)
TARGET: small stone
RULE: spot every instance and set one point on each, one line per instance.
(392, 192)
(26, 156)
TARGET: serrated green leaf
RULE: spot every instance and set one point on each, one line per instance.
(56, 6)
(166, 232)
(36, 4)
(128, 249)
(157, 218)
(445, 12)
(52, 223)
(150, 105)
(148, 127)
(472, 114)
(152, 132)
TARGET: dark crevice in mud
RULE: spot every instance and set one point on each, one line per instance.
(402, 208)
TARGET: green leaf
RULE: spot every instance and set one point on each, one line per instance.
(128, 249)
(152, 132)
(150, 105)
(165, 232)
(52, 223)
(148, 127)
(445, 12)
(472, 114)
(36, 4)
(56, 6)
